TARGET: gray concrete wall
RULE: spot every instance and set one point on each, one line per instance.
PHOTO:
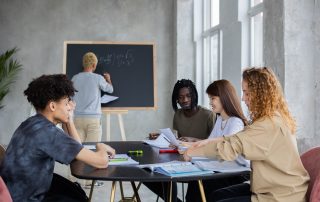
(273, 37)
(291, 40)
(231, 43)
(316, 60)
(299, 43)
(302, 68)
(184, 45)
(39, 28)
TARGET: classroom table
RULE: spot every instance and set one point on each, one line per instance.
(133, 173)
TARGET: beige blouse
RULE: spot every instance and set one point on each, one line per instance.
(277, 171)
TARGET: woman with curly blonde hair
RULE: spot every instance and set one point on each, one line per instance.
(269, 142)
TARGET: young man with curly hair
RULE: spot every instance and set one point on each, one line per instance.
(37, 143)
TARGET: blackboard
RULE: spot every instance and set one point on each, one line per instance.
(131, 66)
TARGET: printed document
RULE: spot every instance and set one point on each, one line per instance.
(161, 142)
(168, 133)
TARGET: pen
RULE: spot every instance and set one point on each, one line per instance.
(168, 151)
(135, 152)
(166, 139)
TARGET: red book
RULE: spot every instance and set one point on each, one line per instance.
(168, 151)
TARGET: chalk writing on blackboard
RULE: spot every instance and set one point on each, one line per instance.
(124, 58)
(131, 66)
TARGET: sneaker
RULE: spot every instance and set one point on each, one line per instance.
(96, 184)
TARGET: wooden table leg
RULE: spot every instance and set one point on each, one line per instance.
(203, 196)
(121, 191)
(135, 190)
(169, 194)
(113, 191)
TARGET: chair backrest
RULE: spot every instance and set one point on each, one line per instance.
(2, 152)
(4, 193)
(311, 162)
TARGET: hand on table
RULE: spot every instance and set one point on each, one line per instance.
(189, 139)
(103, 147)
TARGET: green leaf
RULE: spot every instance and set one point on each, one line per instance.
(9, 69)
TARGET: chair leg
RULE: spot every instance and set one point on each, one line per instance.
(91, 189)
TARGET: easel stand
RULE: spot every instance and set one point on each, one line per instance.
(119, 113)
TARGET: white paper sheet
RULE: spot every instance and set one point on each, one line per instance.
(108, 98)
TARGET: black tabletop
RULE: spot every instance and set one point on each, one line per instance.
(133, 173)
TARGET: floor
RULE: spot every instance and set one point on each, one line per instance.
(102, 194)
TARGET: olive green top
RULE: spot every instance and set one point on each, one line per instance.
(199, 125)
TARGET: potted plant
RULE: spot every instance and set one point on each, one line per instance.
(9, 69)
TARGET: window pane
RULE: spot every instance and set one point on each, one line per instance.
(211, 63)
(214, 75)
(257, 40)
(214, 12)
(206, 14)
(206, 62)
(255, 2)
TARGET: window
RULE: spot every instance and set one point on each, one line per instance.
(256, 32)
(207, 38)
(255, 42)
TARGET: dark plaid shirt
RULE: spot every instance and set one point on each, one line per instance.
(28, 165)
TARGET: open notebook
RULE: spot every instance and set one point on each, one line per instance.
(176, 169)
(122, 159)
(221, 166)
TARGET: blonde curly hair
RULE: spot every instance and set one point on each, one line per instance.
(266, 96)
(89, 59)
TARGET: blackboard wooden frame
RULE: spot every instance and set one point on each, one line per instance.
(139, 84)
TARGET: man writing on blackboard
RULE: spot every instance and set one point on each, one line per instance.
(88, 104)
(87, 115)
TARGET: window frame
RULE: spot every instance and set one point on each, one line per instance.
(204, 60)
(252, 12)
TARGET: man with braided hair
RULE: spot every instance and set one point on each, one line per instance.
(193, 122)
